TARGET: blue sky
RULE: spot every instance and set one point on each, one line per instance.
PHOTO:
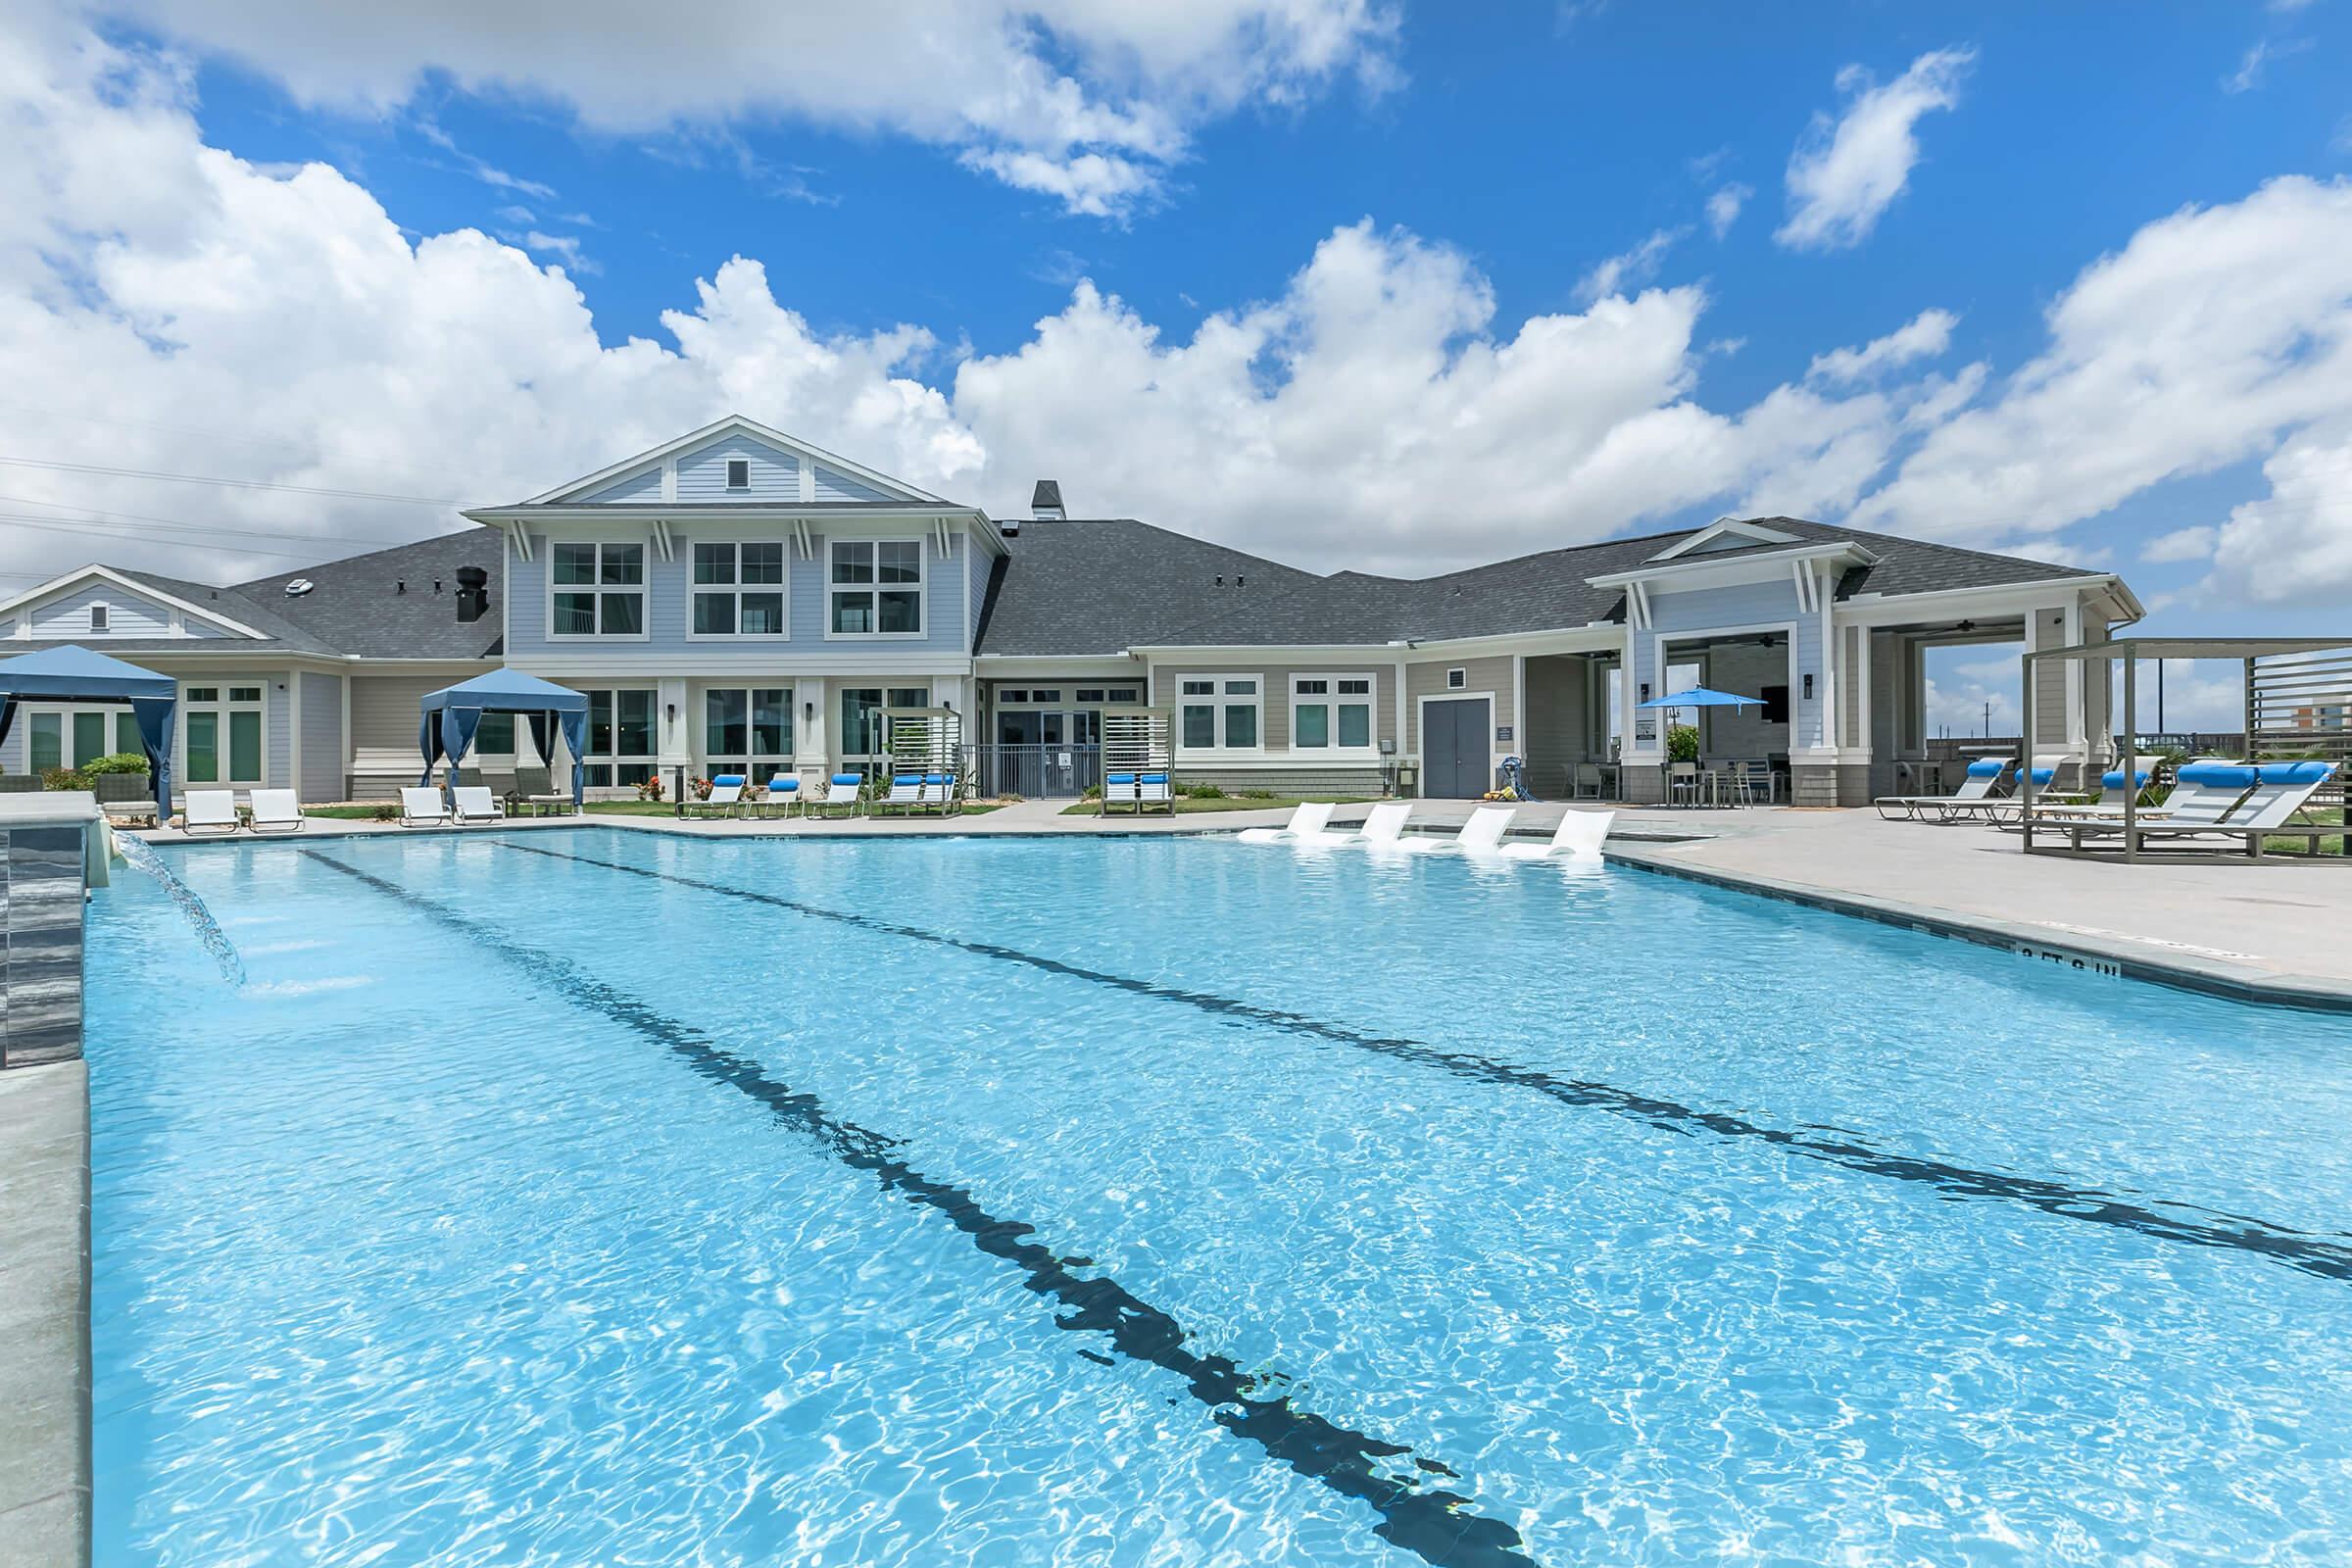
(1546, 265)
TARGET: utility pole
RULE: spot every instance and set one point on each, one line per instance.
(1989, 718)
(2160, 730)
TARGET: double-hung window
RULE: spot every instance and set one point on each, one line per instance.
(875, 588)
(221, 726)
(1219, 712)
(739, 589)
(1331, 712)
(598, 590)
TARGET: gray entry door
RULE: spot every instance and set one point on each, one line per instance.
(1455, 753)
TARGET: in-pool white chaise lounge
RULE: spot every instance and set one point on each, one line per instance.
(1577, 838)
(1481, 835)
(1310, 823)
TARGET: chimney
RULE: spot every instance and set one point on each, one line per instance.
(473, 592)
(1045, 504)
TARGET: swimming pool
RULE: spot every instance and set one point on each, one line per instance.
(609, 1196)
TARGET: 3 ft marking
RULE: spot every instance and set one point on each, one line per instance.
(2070, 960)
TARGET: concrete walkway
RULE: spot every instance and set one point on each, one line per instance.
(2277, 924)
(45, 1315)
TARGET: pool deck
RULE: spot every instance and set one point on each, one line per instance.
(45, 1315)
(2268, 930)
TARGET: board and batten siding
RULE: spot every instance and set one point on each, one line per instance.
(670, 587)
(2049, 684)
(321, 742)
(1557, 716)
(1492, 674)
(1274, 690)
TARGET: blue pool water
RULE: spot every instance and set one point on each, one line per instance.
(607, 1198)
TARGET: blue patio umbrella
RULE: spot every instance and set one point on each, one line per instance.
(1702, 697)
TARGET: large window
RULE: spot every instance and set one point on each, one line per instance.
(862, 728)
(72, 737)
(1331, 712)
(223, 730)
(597, 591)
(738, 589)
(747, 730)
(1219, 712)
(620, 738)
(876, 588)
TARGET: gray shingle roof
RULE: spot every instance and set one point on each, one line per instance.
(356, 604)
(1098, 587)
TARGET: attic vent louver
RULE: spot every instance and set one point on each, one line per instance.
(299, 586)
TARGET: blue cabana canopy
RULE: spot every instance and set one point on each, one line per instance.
(1702, 697)
(74, 675)
(452, 713)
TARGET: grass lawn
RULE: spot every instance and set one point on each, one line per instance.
(1188, 806)
(348, 813)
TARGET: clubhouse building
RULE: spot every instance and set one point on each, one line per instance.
(737, 600)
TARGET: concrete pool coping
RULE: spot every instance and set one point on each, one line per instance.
(45, 1384)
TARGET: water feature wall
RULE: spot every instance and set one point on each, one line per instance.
(44, 855)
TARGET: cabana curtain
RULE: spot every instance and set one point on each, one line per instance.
(76, 674)
(451, 716)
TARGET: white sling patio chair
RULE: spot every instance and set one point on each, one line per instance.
(421, 805)
(476, 804)
(1984, 776)
(2270, 793)
(210, 812)
(276, 812)
(725, 799)
(1578, 838)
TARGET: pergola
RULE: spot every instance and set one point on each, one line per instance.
(2286, 677)
(452, 714)
(74, 675)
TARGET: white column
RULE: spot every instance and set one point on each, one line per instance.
(811, 698)
(2074, 738)
(673, 733)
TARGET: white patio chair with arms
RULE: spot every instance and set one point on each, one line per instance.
(210, 812)
(476, 804)
(276, 812)
(421, 805)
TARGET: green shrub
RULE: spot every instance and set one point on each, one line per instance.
(1259, 795)
(1200, 792)
(387, 810)
(115, 762)
(1681, 743)
(64, 779)
(1093, 792)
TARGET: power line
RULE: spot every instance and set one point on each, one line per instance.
(181, 526)
(236, 484)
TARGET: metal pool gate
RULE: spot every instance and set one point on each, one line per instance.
(1040, 772)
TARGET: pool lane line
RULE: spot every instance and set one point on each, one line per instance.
(1437, 1526)
(2279, 1244)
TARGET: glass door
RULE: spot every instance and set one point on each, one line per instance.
(223, 726)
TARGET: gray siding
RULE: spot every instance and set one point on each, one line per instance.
(833, 486)
(321, 740)
(2049, 684)
(1428, 679)
(278, 731)
(646, 486)
(775, 474)
(1557, 716)
(384, 708)
(128, 615)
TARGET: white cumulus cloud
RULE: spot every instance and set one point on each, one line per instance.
(1085, 102)
(1846, 172)
(1923, 336)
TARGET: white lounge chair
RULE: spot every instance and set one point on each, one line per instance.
(725, 797)
(1384, 825)
(2272, 793)
(906, 793)
(276, 812)
(421, 805)
(1481, 835)
(1984, 776)
(476, 804)
(1578, 837)
(210, 812)
(783, 795)
(2196, 794)
(1153, 790)
(1310, 822)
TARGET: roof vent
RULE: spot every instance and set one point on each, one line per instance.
(1044, 503)
(473, 592)
(299, 586)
